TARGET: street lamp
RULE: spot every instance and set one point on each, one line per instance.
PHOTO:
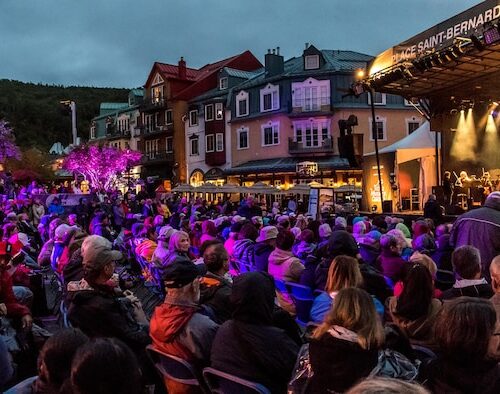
(71, 105)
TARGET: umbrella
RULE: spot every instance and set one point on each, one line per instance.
(261, 188)
(183, 188)
(316, 184)
(300, 189)
(207, 188)
(231, 188)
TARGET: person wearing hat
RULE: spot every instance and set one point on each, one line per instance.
(161, 252)
(98, 307)
(177, 327)
(266, 243)
(480, 228)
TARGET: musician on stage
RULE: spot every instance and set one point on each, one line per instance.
(448, 188)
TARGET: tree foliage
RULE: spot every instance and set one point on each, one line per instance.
(100, 165)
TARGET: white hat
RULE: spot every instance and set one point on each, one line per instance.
(268, 232)
(166, 232)
(237, 218)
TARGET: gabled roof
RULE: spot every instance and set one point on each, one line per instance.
(232, 72)
(112, 106)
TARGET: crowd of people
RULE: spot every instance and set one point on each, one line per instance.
(423, 296)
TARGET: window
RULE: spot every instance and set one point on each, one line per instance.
(148, 123)
(169, 116)
(219, 142)
(157, 94)
(242, 104)
(193, 118)
(151, 148)
(223, 83)
(195, 147)
(311, 94)
(209, 112)
(218, 111)
(311, 133)
(210, 141)
(381, 129)
(92, 131)
(123, 124)
(311, 62)
(270, 134)
(412, 124)
(269, 98)
(378, 98)
(170, 144)
(243, 138)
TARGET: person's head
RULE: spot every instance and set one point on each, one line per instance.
(400, 236)
(340, 223)
(343, 272)
(416, 297)
(54, 360)
(208, 227)
(325, 231)
(342, 243)
(404, 229)
(306, 236)
(466, 262)
(182, 281)
(137, 229)
(424, 243)
(268, 234)
(99, 260)
(102, 218)
(179, 242)
(447, 174)
(495, 274)
(216, 258)
(72, 219)
(9, 229)
(285, 240)
(426, 261)
(158, 221)
(432, 197)
(105, 366)
(386, 386)
(165, 233)
(390, 244)
(248, 231)
(464, 328)
(359, 228)
(354, 309)
(252, 298)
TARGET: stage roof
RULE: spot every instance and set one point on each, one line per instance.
(456, 61)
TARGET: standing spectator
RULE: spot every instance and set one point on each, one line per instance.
(55, 207)
(480, 228)
(101, 226)
(148, 210)
(469, 280)
(37, 211)
(118, 215)
(249, 209)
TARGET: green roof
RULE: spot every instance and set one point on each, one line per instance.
(232, 72)
(137, 92)
(112, 106)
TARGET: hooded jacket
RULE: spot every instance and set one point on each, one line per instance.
(283, 265)
(244, 252)
(248, 346)
(480, 228)
(262, 251)
(183, 332)
(215, 293)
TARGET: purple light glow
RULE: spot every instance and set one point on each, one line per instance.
(8, 147)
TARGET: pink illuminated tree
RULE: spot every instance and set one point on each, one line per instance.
(100, 165)
(8, 147)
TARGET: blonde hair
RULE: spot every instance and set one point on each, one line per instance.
(174, 242)
(343, 272)
(386, 386)
(354, 309)
(426, 261)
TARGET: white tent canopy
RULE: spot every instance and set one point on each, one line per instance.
(418, 145)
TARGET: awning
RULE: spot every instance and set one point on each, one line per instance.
(287, 164)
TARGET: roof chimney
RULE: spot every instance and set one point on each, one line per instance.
(274, 63)
(307, 45)
(182, 68)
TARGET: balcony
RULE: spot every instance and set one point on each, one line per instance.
(157, 157)
(117, 134)
(153, 130)
(299, 148)
(153, 105)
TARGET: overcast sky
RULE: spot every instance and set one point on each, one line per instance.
(115, 42)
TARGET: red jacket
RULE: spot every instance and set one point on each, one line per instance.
(14, 308)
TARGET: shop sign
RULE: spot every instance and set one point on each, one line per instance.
(307, 168)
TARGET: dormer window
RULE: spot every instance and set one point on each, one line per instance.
(311, 62)
(270, 98)
(223, 83)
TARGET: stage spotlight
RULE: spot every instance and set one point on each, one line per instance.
(491, 34)
(477, 43)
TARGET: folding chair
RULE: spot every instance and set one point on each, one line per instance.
(225, 383)
(303, 299)
(175, 371)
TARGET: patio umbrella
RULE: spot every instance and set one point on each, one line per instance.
(183, 188)
(232, 188)
(262, 188)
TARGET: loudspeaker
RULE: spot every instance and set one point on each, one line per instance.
(387, 206)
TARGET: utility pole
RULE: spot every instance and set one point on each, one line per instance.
(72, 106)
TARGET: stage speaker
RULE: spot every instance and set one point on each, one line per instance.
(439, 193)
(387, 206)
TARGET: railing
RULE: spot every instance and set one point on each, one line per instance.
(326, 146)
(150, 157)
(151, 104)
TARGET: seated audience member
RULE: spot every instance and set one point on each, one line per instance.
(178, 247)
(233, 237)
(54, 363)
(424, 244)
(344, 348)
(369, 250)
(495, 284)
(344, 272)
(101, 226)
(248, 345)
(266, 243)
(145, 243)
(105, 366)
(469, 281)
(426, 261)
(305, 245)
(464, 329)
(244, 247)
(359, 231)
(177, 327)
(45, 255)
(208, 231)
(97, 306)
(386, 386)
(406, 249)
(443, 252)
(216, 285)
(415, 310)
(161, 252)
(390, 261)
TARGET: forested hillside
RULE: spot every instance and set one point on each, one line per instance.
(39, 120)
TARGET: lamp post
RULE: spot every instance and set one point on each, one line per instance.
(375, 137)
(72, 106)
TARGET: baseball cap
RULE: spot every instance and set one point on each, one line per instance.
(180, 274)
(96, 252)
(267, 232)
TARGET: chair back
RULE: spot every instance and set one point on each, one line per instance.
(423, 353)
(303, 299)
(173, 368)
(225, 383)
(444, 279)
(280, 286)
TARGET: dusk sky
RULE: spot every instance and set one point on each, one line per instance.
(115, 42)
